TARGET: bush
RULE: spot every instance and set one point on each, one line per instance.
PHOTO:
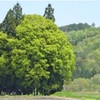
(82, 84)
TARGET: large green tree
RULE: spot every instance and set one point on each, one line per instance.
(39, 59)
(50, 54)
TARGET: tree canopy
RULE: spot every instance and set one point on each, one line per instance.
(39, 58)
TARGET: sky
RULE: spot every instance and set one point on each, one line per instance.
(65, 11)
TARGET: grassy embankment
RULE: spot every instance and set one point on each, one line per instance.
(81, 95)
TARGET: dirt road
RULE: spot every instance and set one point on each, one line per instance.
(34, 98)
(55, 98)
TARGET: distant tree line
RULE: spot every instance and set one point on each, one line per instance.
(74, 27)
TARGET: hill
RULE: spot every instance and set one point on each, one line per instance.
(74, 27)
(86, 45)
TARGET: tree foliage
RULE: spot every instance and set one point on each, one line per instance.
(86, 48)
(8, 25)
(12, 19)
(17, 9)
(38, 59)
(84, 84)
(74, 27)
(49, 11)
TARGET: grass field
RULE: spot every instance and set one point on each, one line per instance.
(81, 95)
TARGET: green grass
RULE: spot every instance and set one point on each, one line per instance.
(81, 95)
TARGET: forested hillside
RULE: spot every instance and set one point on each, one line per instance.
(86, 44)
(87, 50)
(75, 27)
